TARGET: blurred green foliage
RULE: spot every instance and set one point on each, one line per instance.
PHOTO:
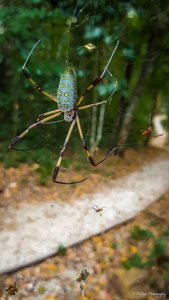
(114, 245)
(101, 23)
(138, 233)
(133, 261)
(61, 250)
(158, 254)
(41, 290)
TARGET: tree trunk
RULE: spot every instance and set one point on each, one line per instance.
(93, 129)
(100, 125)
(145, 71)
(153, 47)
(123, 102)
(153, 111)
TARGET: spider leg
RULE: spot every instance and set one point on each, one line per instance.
(157, 135)
(48, 113)
(57, 167)
(90, 158)
(98, 79)
(19, 137)
(36, 86)
(95, 206)
(33, 83)
(91, 105)
(86, 212)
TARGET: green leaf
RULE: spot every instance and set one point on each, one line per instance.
(166, 232)
(114, 245)
(128, 52)
(61, 250)
(41, 290)
(133, 261)
(138, 233)
(159, 248)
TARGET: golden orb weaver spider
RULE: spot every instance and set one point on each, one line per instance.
(68, 104)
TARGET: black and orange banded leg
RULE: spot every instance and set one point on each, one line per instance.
(91, 105)
(33, 83)
(98, 79)
(90, 158)
(89, 88)
(19, 137)
(36, 86)
(48, 113)
(56, 170)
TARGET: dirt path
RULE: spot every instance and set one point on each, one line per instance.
(34, 231)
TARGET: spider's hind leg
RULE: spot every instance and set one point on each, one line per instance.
(57, 167)
(19, 137)
(90, 158)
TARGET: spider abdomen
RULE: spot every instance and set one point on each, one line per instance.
(67, 90)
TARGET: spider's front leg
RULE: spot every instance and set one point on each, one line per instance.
(32, 82)
(98, 79)
(90, 158)
(57, 168)
(36, 86)
(19, 137)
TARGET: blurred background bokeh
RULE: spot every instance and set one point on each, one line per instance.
(83, 34)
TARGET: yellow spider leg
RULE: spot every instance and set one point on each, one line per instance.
(57, 167)
(48, 113)
(90, 158)
(91, 105)
(36, 86)
(90, 87)
(98, 79)
(19, 137)
(33, 83)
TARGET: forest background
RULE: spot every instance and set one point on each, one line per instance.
(85, 33)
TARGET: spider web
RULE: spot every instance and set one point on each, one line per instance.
(88, 37)
(87, 44)
(95, 46)
(84, 22)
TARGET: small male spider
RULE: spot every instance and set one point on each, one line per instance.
(83, 275)
(82, 279)
(149, 130)
(68, 104)
(96, 208)
(12, 289)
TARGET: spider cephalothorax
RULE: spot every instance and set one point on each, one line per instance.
(12, 289)
(69, 115)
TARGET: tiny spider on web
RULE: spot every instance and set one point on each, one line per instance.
(82, 279)
(96, 208)
(12, 290)
(149, 130)
(68, 104)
